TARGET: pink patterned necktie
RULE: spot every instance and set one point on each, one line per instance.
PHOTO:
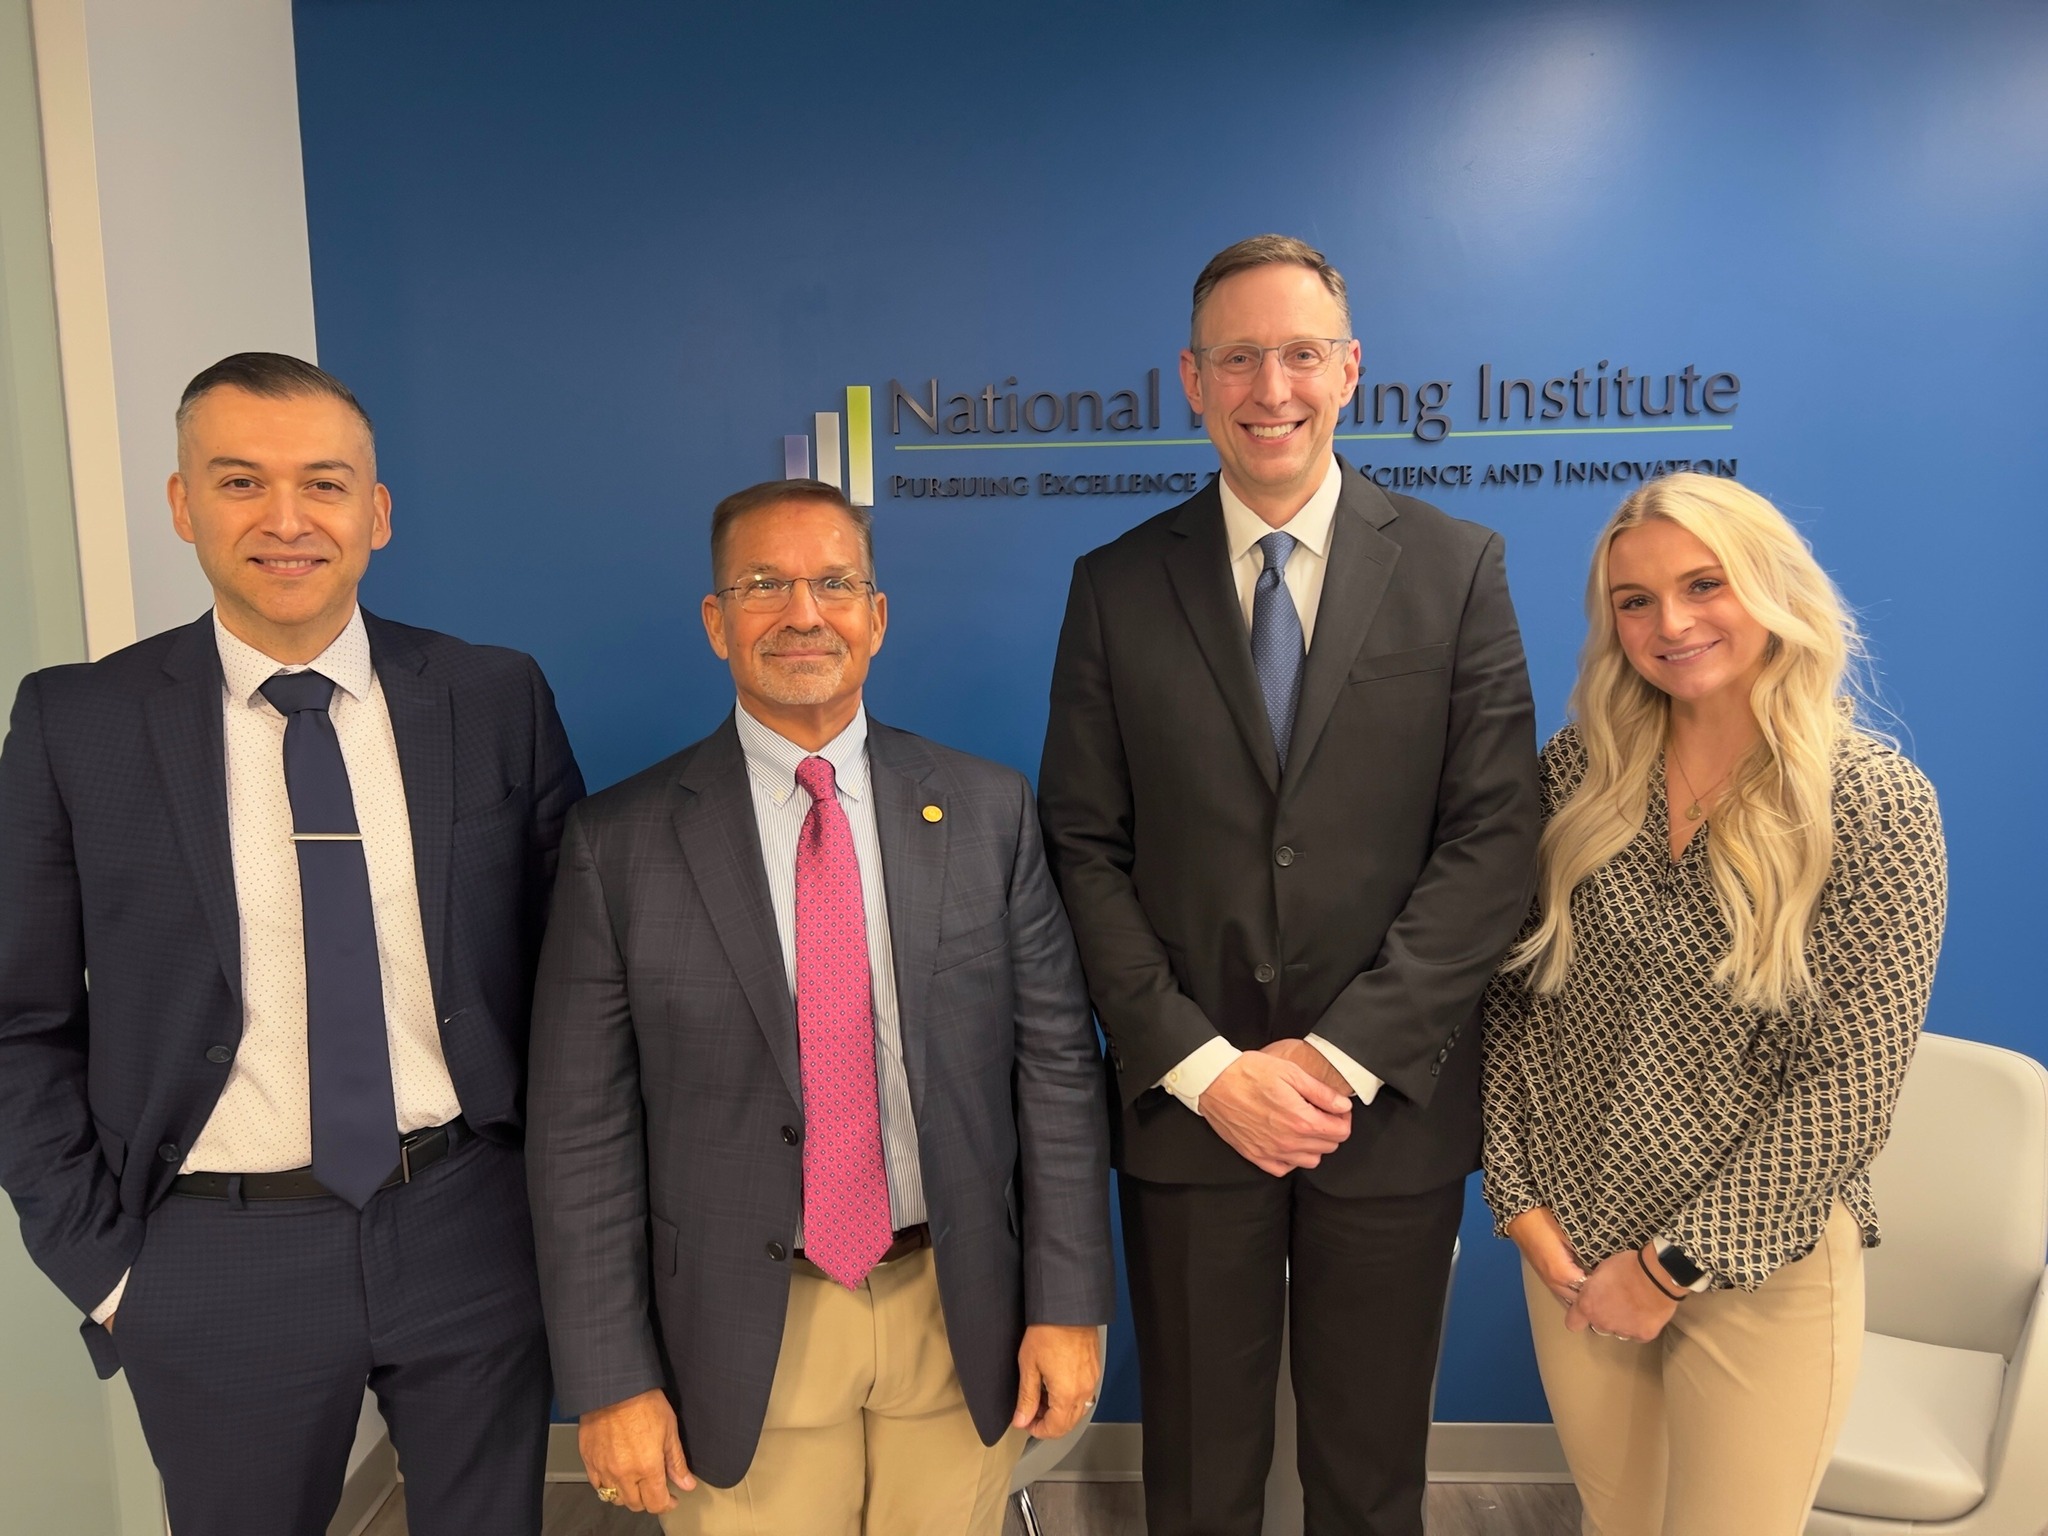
(846, 1185)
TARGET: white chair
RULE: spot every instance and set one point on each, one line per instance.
(1948, 1428)
(1044, 1456)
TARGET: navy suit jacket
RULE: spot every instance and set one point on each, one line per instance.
(665, 1162)
(115, 864)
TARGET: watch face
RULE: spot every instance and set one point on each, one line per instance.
(1680, 1268)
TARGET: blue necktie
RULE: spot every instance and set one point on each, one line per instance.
(355, 1117)
(1277, 650)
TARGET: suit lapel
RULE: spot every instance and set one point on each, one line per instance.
(1199, 565)
(714, 822)
(186, 735)
(1355, 578)
(423, 725)
(914, 872)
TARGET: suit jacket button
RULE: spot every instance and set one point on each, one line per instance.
(168, 1152)
(1284, 857)
(218, 1054)
(1263, 973)
(777, 1252)
(790, 1135)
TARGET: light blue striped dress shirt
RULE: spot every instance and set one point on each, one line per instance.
(779, 811)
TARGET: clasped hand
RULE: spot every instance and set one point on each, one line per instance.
(1281, 1107)
(1616, 1299)
(1619, 1299)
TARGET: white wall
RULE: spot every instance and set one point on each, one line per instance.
(173, 139)
(72, 1457)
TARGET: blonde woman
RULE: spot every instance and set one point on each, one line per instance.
(1693, 1053)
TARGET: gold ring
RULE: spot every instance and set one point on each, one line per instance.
(608, 1495)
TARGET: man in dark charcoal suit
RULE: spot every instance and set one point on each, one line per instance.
(273, 1151)
(820, 1142)
(1289, 794)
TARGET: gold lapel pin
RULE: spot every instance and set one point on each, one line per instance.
(933, 813)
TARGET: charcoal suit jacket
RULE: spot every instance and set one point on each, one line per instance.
(115, 861)
(665, 1155)
(1365, 894)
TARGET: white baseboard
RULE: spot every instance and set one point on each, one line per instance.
(364, 1491)
(565, 1462)
(1496, 1453)
(1105, 1453)
(1110, 1453)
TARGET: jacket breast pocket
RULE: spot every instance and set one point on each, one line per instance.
(959, 948)
(491, 811)
(1422, 658)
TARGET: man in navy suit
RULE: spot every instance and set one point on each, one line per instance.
(272, 1151)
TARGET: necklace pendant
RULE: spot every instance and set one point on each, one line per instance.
(1692, 812)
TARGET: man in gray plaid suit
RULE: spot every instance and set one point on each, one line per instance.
(818, 1127)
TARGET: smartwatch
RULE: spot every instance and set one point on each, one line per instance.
(1684, 1273)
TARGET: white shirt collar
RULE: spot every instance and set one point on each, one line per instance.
(772, 757)
(346, 662)
(1310, 527)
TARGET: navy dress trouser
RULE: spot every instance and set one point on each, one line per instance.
(250, 1328)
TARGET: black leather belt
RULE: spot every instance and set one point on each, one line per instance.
(416, 1153)
(908, 1241)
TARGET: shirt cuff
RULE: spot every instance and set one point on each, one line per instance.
(1191, 1078)
(1362, 1082)
(107, 1308)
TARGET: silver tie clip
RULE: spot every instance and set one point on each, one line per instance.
(327, 837)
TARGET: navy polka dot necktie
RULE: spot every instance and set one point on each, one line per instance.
(355, 1115)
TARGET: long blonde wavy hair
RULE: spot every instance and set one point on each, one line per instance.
(1773, 828)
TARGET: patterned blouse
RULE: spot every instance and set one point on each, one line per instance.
(1641, 1100)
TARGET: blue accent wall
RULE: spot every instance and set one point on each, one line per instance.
(587, 265)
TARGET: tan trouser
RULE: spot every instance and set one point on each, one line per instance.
(1723, 1425)
(867, 1432)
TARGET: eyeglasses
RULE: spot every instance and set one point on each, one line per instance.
(771, 594)
(1303, 358)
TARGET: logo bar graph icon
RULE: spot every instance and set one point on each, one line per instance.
(858, 479)
(825, 430)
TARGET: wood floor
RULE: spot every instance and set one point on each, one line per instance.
(1104, 1509)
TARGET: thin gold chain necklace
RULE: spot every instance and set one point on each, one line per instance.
(1694, 811)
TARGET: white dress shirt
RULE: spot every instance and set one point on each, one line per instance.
(779, 812)
(263, 1120)
(1310, 527)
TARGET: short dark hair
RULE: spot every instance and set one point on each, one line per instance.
(773, 492)
(1265, 251)
(273, 375)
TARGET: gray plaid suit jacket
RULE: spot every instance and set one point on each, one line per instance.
(666, 1112)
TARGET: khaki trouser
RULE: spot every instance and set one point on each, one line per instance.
(867, 1431)
(1723, 1424)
